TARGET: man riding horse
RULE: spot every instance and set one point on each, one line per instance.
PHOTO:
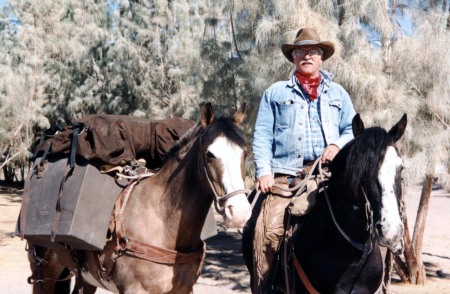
(299, 120)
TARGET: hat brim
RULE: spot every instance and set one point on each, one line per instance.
(326, 46)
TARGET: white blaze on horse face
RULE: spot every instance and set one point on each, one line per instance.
(390, 227)
(237, 208)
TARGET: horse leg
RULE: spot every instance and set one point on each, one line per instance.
(87, 289)
(247, 245)
(46, 270)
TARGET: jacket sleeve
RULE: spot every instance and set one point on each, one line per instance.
(345, 122)
(263, 136)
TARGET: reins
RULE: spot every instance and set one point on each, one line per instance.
(366, 248)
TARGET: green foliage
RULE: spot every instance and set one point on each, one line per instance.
(63, 59)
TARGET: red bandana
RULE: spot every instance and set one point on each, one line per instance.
(309, 85)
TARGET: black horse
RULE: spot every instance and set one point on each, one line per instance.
(335, 247)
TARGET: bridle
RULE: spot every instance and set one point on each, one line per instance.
(366, 248)
(219, 201)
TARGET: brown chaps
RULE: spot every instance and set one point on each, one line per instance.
(268, 231)
(270, 226)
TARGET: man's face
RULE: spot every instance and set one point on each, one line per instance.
(307, 61)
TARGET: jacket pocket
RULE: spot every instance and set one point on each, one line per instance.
(285, 113)
(335, 109)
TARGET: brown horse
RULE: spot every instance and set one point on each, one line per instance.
(156, 246)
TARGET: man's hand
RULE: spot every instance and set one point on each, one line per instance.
(330, 152)
(264, 183)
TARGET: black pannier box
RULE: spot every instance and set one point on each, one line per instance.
(86, 202)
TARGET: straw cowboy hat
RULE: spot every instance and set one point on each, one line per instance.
(307, 37)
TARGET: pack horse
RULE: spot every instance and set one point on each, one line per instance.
(154, 244)
(335, 248)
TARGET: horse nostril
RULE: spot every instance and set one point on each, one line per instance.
(379, 228)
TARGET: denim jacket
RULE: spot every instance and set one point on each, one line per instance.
(279, 128)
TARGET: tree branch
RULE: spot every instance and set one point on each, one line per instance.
(11, 158)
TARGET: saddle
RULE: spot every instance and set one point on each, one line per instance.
(308, 188)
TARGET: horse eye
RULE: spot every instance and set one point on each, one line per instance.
(209, 155)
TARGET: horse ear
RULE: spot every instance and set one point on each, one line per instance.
(207, 115)
(238, 117)
(357, 125)
(396, 132)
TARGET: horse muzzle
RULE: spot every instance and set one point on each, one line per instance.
(391, 237)
(237, 211)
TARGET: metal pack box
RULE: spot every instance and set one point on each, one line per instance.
(87, 202)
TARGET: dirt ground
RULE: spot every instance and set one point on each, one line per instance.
(224, 271)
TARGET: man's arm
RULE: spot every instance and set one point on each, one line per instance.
(262, 144)
(345, 123)
(345, 128)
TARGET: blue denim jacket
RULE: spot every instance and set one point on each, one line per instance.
(279, 128)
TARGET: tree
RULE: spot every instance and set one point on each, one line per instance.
(426, 83)
(64, 59)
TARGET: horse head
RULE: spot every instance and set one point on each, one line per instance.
(224, 151)
(382, 183)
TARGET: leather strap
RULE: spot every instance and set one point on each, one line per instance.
(69, 168)
(301, 273)
(160, 255)
(58, 208)
(35, 277)
(123, 245)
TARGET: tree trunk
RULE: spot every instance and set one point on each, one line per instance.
(232, 30)
(419, 228)
(8, 173)
(413, 270)
(387, 272)
(341, 17)
(448, 16)
(404, 269)
(386, 36)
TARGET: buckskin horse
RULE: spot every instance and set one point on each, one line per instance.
(156, 246)
(335, 247)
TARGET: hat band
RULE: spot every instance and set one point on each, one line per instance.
(306, 42)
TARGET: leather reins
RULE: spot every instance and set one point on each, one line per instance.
(366, 248)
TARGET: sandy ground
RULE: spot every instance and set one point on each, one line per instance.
(224, 271)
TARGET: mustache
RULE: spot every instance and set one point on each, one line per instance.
(306, 62)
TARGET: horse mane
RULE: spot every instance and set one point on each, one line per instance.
(183, 144)
(360, 159)
(227, 127)
(221, 125)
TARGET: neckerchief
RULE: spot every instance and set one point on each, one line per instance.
(309, 85)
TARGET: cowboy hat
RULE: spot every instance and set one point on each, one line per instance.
(307, 37)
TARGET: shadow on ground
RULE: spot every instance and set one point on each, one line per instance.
(224, 264)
